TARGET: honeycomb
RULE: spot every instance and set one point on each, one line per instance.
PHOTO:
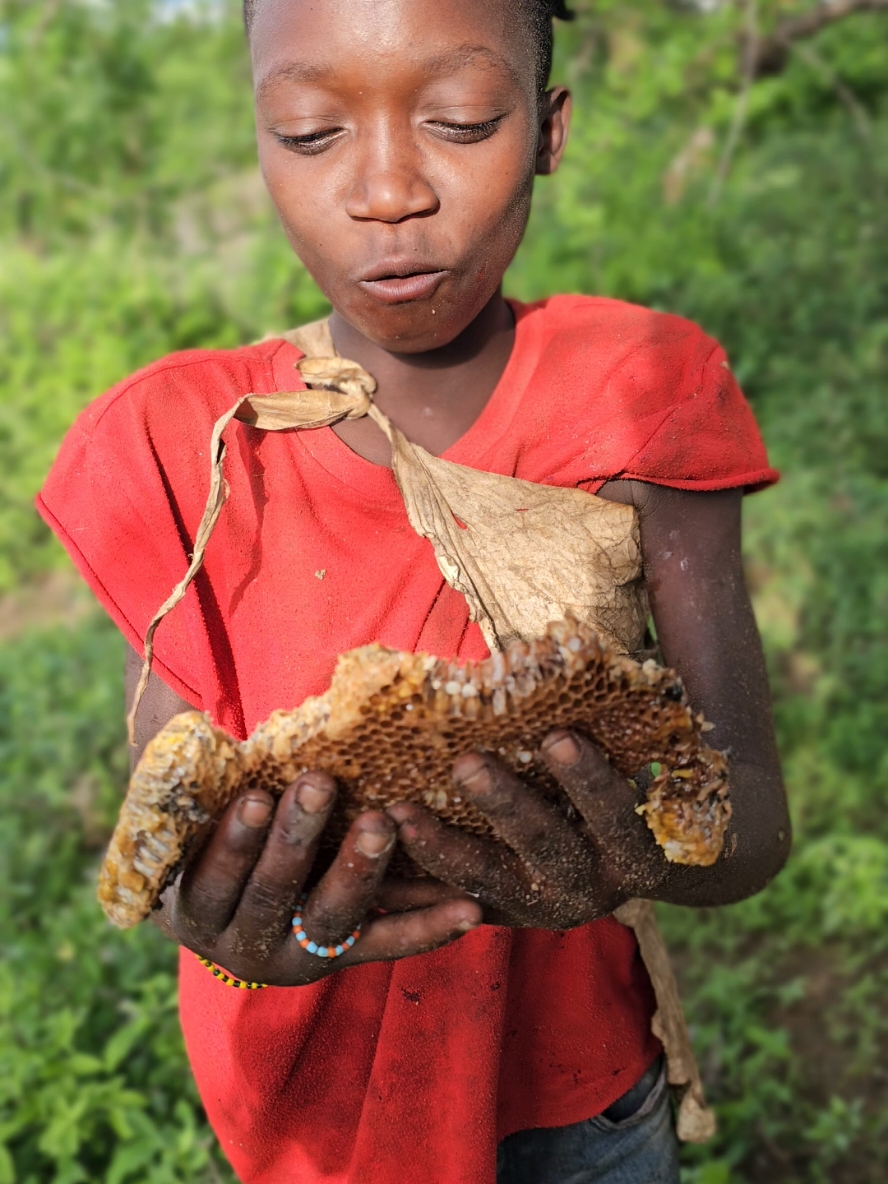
(389, 729)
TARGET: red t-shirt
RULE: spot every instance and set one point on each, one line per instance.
(410, 1070)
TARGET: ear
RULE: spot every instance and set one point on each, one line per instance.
(555, 112)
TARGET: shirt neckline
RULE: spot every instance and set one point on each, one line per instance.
(476, 443)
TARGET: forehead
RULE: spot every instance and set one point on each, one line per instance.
(316, 41)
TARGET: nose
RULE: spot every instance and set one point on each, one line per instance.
(390, 185)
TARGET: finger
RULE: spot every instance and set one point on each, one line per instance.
(401, 896)
(212, 884)
(270, 896)
(536, 829)
(405, 934)
(605, 799)
(488, 871)
(343, 896)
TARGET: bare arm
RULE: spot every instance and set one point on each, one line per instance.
(159, 704)
(707, 632)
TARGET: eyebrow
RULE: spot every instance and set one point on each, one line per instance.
(445, 62)
(467, 55)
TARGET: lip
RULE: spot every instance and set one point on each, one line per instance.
(398, 282)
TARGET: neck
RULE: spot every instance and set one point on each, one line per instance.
(433, 397)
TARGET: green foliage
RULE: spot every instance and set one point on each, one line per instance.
(110, 100)
(94, 1084)
(132, 223)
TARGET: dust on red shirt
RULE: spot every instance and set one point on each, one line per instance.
(410, 1070)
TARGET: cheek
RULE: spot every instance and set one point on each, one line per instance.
(286, 188)
(492, 215)
(303, 213)
(490, 195)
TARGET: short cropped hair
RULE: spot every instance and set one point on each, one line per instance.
(539, 13)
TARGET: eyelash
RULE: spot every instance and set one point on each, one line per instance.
(459, 133)
(308, 145)
(470, 133)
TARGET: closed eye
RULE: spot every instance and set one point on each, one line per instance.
(466, 133)
(459, 133)
(310, 144)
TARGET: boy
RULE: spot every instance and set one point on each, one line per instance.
(399, 140)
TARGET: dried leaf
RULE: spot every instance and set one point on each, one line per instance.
(300, 409)
(496, 539)
(696, 1123)
(217, 498)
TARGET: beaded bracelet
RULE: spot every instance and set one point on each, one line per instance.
(312, 947)
(226, 978)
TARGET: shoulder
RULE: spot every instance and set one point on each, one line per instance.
(618, 390)
(181, 392)
(608, 363)
(612, 332)
(140, 452)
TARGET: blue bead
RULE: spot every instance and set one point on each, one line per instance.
(339, 950)
(322, 951)
(312, 947)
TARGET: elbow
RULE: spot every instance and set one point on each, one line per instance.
(759, 839)
(744, 873)
(776, 854)
(747, 866)
(757, 846)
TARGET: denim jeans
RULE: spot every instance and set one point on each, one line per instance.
(632, 1142)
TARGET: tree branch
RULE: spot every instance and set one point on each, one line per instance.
(741, 107)
(856, 110)
(771, 54)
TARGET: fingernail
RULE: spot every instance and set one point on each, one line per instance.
(472, 773)
(562, 748)
(401, 813)
(373, 842)
(466, 925)
(313, 798)
(254, 812)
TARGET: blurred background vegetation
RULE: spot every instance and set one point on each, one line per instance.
(728, 163)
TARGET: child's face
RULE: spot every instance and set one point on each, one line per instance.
(399, 141)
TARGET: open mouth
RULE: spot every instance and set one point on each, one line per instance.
(394, 284)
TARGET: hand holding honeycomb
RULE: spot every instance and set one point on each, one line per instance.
(389, 729)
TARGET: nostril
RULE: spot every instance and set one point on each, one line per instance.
(391, 198)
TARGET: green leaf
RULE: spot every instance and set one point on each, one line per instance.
(84, 1064)
(70, 1173)
(122, 1041)
(130, 1158)
(7, 1167)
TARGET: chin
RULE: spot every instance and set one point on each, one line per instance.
(416, 340)
(412, 327)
